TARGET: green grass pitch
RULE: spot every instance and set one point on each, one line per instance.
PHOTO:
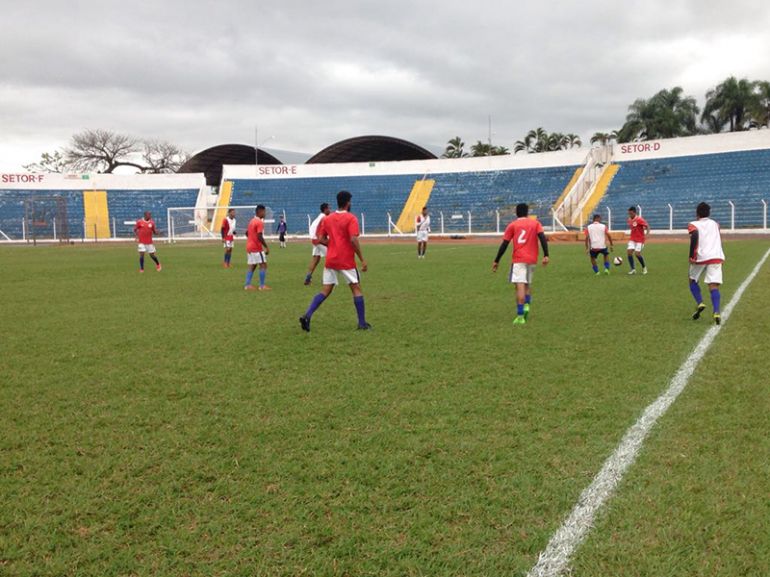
(172, 424)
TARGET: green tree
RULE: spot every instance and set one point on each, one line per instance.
(760, 113)
(732, 101)
(667, 114)
(455, 148)
(604, 138)
(540, 140)
(48, 163)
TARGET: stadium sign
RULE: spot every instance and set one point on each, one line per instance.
(640, 147)
(9, 178)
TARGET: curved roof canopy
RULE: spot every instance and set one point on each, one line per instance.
(210, 161)
(371, 149)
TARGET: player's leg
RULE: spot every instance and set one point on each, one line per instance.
(263, 275)
(141, 261)
(329, 282)
(424, 248)
(354, 282)
(714, 281)
(606, 261)
(694, 276)
(314, 260)
(639, 256)
(594, 266)
(521, 301)
(630, 255)
(250, 273)
(419, 248)
(154, 257)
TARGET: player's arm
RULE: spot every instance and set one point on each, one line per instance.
(261, 238)
(357, 250)
(136, 231)
(609, 240)
(500, 253)
(222, 229)
(693, 243)
(544, 244)
(587, 242)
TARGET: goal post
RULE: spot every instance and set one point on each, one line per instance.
(196, 223)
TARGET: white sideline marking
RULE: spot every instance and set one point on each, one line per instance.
(554, 559)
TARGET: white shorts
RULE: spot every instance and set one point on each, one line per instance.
(422, 236)
(319, 250)
(256, 258)
(146, 248)
(229, 243)
(713, 272)
(350, 276)
(522, 272)
(635, 246)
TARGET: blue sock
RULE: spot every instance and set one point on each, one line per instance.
(262, 275)
(308, 277)
(631, 261)
(606, 264)
(314, 304)
(596, 268)
(249, 276)
(695, 290)
(228, 256)
(641, 261)
(520, 310)
(715, 300)
(359, 302)
(141, 262)
(528, 299)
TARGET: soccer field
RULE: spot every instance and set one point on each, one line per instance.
(173, 424)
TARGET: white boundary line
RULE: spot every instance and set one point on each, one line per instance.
(554, 559)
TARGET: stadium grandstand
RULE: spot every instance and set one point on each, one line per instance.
(392, 179)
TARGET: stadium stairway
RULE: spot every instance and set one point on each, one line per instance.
(97, 214)
(596, 195)
(570, 184)
(418, 198)
(223, 201)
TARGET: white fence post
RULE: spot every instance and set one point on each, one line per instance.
(470, 230)
(609, 218)
(670, 217)
(764, 215)
(389, 221)
(114, 228)
(442, 222)
(363, 224)
(309, 222)
(497, 216)
(169, 227)
(54, 227)
(732, 215)
(24, 228)
(639, 209)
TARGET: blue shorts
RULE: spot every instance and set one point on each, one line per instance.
(595, 253)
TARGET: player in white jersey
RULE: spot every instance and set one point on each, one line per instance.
(319, 250)
(706, 256)
(597, 239)
(228, 235)
(422, 226)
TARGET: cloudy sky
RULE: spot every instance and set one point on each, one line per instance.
(312, 73)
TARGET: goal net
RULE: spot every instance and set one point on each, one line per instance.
(192, 223)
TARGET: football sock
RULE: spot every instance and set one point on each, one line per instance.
(607, 264)
(631, 261)
(715, 300)
(360, 310)
(262, 275)
(641, 261)
(520, 310)
(695, 290)
(528, 299)
(141, 262)
(596, 268)
(314, 304)
(249, 276)
(308, 277)
(155, 258)
(228, 256)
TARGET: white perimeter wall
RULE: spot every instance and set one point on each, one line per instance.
(693, 145)
(30, 181)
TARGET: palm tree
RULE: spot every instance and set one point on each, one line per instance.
(573, 140)
(732, 100)
(760, 113)
(666, 115)
(604, 138)
(500, 150)
(481, 149)
(455, 148)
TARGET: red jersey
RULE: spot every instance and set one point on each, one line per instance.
(256, 226)
(340, 227)
(144, 230)
(523, 233)
(228, 228)
(637, 225)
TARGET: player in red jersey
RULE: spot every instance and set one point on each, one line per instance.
(339, 232)
(525, 233)
(143, 231)
(256, 250)
(228, 235)
(639, 231)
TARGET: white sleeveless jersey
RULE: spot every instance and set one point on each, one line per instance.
(597, 235)
(423, 223)
(709, 249)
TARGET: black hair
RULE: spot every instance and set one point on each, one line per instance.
(259, 207)
(632, 208)
(703, 210)
(324, 206)
(597, 216)
(522, 209)
(343, 197)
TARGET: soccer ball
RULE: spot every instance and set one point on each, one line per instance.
(617, 261)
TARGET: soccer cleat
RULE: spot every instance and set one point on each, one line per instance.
(520, 320)
(526, 310)
(141, 270)
(265, 288)
(158, 267)
(304, 322)
(606, 271)
(364, 327)
(717, 319)
(596, 273)
(632, 271)
(308, 280)
(644, 270)
(249, 287)
(698, 311)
